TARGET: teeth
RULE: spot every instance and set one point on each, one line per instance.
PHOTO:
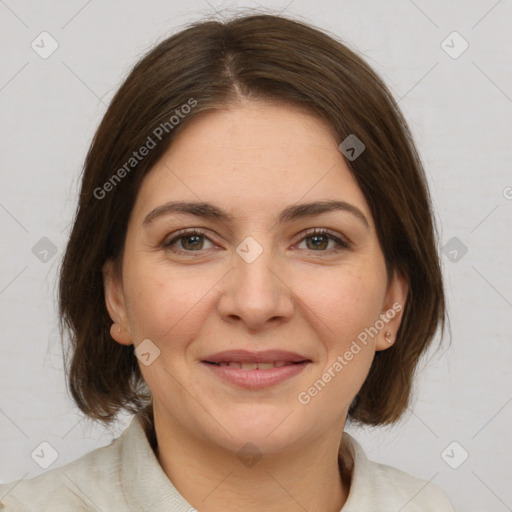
(254, 366)
(249, 366)
(265, 366)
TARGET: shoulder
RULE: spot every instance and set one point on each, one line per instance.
(421, 495)
(82, 485)
(376, 486)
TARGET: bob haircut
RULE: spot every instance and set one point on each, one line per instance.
(211, 65)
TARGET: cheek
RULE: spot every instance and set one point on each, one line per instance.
(167, 303)
(343, 305)
(343, 301)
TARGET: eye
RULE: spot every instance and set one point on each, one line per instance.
(191, 241)
(320, 239)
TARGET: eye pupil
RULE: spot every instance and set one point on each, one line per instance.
(318, 240)
(186, 239)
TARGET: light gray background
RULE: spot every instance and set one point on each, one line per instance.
(459, 110)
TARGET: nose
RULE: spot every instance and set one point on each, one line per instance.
(255, 291)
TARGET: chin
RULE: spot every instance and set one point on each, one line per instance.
(270, 428)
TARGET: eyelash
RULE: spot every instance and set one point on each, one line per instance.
(342, 244)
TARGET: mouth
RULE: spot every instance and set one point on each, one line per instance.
(255, 365)
(256, 370)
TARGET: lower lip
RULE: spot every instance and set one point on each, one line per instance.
(256, 379)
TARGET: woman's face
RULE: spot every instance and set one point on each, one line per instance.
(253, 329)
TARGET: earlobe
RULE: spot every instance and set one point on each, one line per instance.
(391, 315)
(120, 334)
(115, 303)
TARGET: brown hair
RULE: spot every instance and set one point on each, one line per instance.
(215, 63)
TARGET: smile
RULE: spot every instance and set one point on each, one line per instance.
(255, 370)
(254, 366)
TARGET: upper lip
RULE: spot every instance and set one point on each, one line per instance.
(245, 356)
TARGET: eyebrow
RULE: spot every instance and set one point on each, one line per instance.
(290, 213)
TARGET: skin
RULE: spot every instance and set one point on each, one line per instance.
(253, 160)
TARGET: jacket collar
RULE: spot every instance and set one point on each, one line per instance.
(146, 486)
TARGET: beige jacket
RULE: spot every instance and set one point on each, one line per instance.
(127, 477)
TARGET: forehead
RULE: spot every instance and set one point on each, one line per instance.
(251, 159)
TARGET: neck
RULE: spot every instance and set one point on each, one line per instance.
(209, 476)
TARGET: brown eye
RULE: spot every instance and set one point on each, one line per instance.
(188, 241)
(320, 239)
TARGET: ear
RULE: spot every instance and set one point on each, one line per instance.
(115, 302)
(392, 312)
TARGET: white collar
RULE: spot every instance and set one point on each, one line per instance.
(373, 486)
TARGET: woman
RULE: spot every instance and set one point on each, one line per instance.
(253, 263)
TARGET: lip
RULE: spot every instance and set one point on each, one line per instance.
(245, 356)
(257, 378)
